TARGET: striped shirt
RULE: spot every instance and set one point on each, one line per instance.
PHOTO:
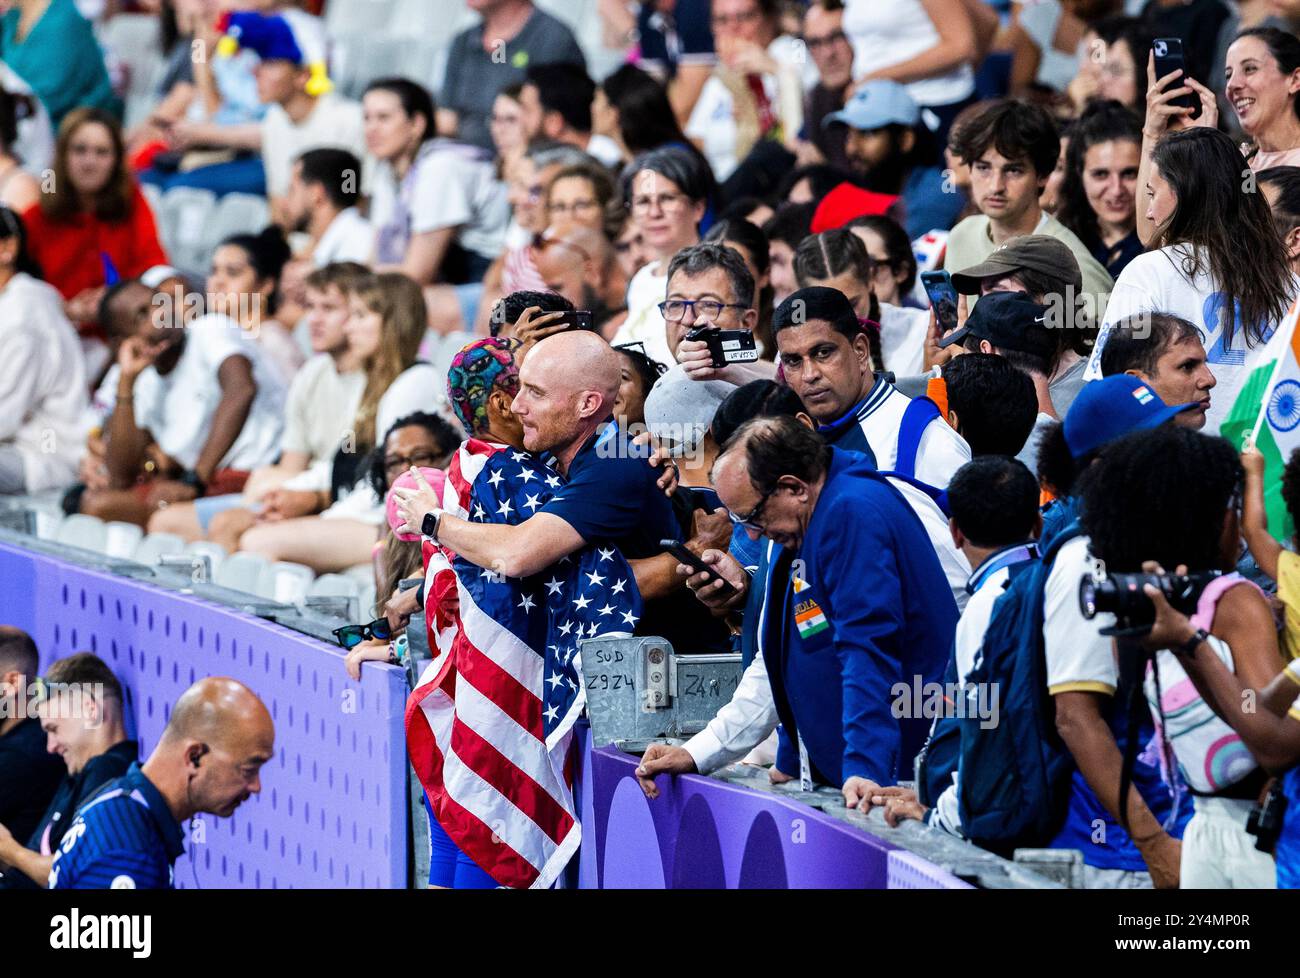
(124, 838)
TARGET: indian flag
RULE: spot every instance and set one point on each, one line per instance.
(808, 614)
(1268, 409)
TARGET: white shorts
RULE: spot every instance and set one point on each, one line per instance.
(1218, 853)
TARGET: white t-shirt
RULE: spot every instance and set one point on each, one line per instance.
(645, 323)
(450, 185)
(1154, 282)
(713, 120)
(1040, 20)
(902, 339)
(322, 406)
(178, 409)
(1079, 659)
(348, 238)
(42, 383)
(334, 122)
(606, 150)
(888, 32)
(416, 389)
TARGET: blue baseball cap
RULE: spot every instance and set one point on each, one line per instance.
(1113, 407)
(877, 104)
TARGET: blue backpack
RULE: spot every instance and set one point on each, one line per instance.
(1014, 777)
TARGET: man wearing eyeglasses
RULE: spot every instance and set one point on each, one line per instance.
(855, 604)
(824, 37)
(710, 286)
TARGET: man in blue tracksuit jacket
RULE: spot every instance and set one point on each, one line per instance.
(856, 604)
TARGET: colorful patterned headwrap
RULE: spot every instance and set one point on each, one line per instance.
(480, 368)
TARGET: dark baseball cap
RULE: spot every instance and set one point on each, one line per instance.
(1038, 252)
(1010, 321)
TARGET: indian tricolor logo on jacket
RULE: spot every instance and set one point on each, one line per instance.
(807, 613)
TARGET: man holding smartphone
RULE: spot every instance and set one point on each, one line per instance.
(836, 638)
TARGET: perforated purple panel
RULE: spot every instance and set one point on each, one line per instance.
(332, 812)
(702, 832)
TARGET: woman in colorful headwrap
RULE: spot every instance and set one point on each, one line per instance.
(525, 629)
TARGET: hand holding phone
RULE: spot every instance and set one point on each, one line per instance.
(943, 298)
(697, 565)
(1168, 55)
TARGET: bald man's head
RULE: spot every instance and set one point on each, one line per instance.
(567, 386)
(575, 262)
(216, 741)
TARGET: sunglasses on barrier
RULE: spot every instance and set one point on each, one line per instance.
(350, 636)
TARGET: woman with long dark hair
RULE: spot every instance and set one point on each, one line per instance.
(632, 108)
(1099, 192)
(1217, 259)
(1262, 73)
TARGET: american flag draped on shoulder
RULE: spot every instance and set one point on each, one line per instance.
(490, 724)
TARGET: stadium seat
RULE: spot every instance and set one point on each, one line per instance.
(185, 218)
(215, 553)
(359, 60)
(135, 41)
(48, 523)
(86, 532)
(122, 540)
(155, 545)
(359, 17)
(235, 214)
(242, 572)
(334, 586)
(430, 22)
(286, 583)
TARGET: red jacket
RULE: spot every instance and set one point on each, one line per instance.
(69, 251)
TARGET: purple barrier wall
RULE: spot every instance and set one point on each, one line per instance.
(706, 833)
(332, 812)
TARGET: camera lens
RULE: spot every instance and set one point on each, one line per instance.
(1088, 597)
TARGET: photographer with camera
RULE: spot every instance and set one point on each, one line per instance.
(1139, 505)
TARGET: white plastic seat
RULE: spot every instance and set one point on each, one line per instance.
(242, 572)
(184, 221)
(286, 583)
(334, 586)
(122, 539)
(86, 532)
(351, 17)
(48, 523)
(155, 545)
(215, 553)
(236, 214)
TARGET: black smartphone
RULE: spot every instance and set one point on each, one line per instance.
(943, 297)
(679, 551)
(578, 319)
(1168, 52)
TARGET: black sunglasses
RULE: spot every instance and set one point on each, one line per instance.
(350, 636)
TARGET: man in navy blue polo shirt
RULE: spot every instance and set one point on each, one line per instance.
(607, 490)
(209, 760)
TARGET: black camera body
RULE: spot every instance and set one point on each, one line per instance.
(1122, 596)
(727, 346)
(1265, 819)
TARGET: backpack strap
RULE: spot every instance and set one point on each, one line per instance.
(940, 496)
(920, 412)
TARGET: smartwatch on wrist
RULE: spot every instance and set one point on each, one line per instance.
(1189, 647)
(430, 525)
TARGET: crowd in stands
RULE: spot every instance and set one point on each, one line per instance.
(903, 317)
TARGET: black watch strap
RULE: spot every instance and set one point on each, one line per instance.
(191, 478)
(430, 526)
(1189, 647)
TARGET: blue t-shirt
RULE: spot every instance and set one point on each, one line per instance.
(124, 838)
(683, 37)
(612, 496)
(1287, 851)
(931, 206)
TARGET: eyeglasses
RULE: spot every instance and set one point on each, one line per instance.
(674, 310)
(350, 636)
(813, 43)
(750, 521)
(541, 242)
(577, 205)
(661, 202)
(420, 460)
